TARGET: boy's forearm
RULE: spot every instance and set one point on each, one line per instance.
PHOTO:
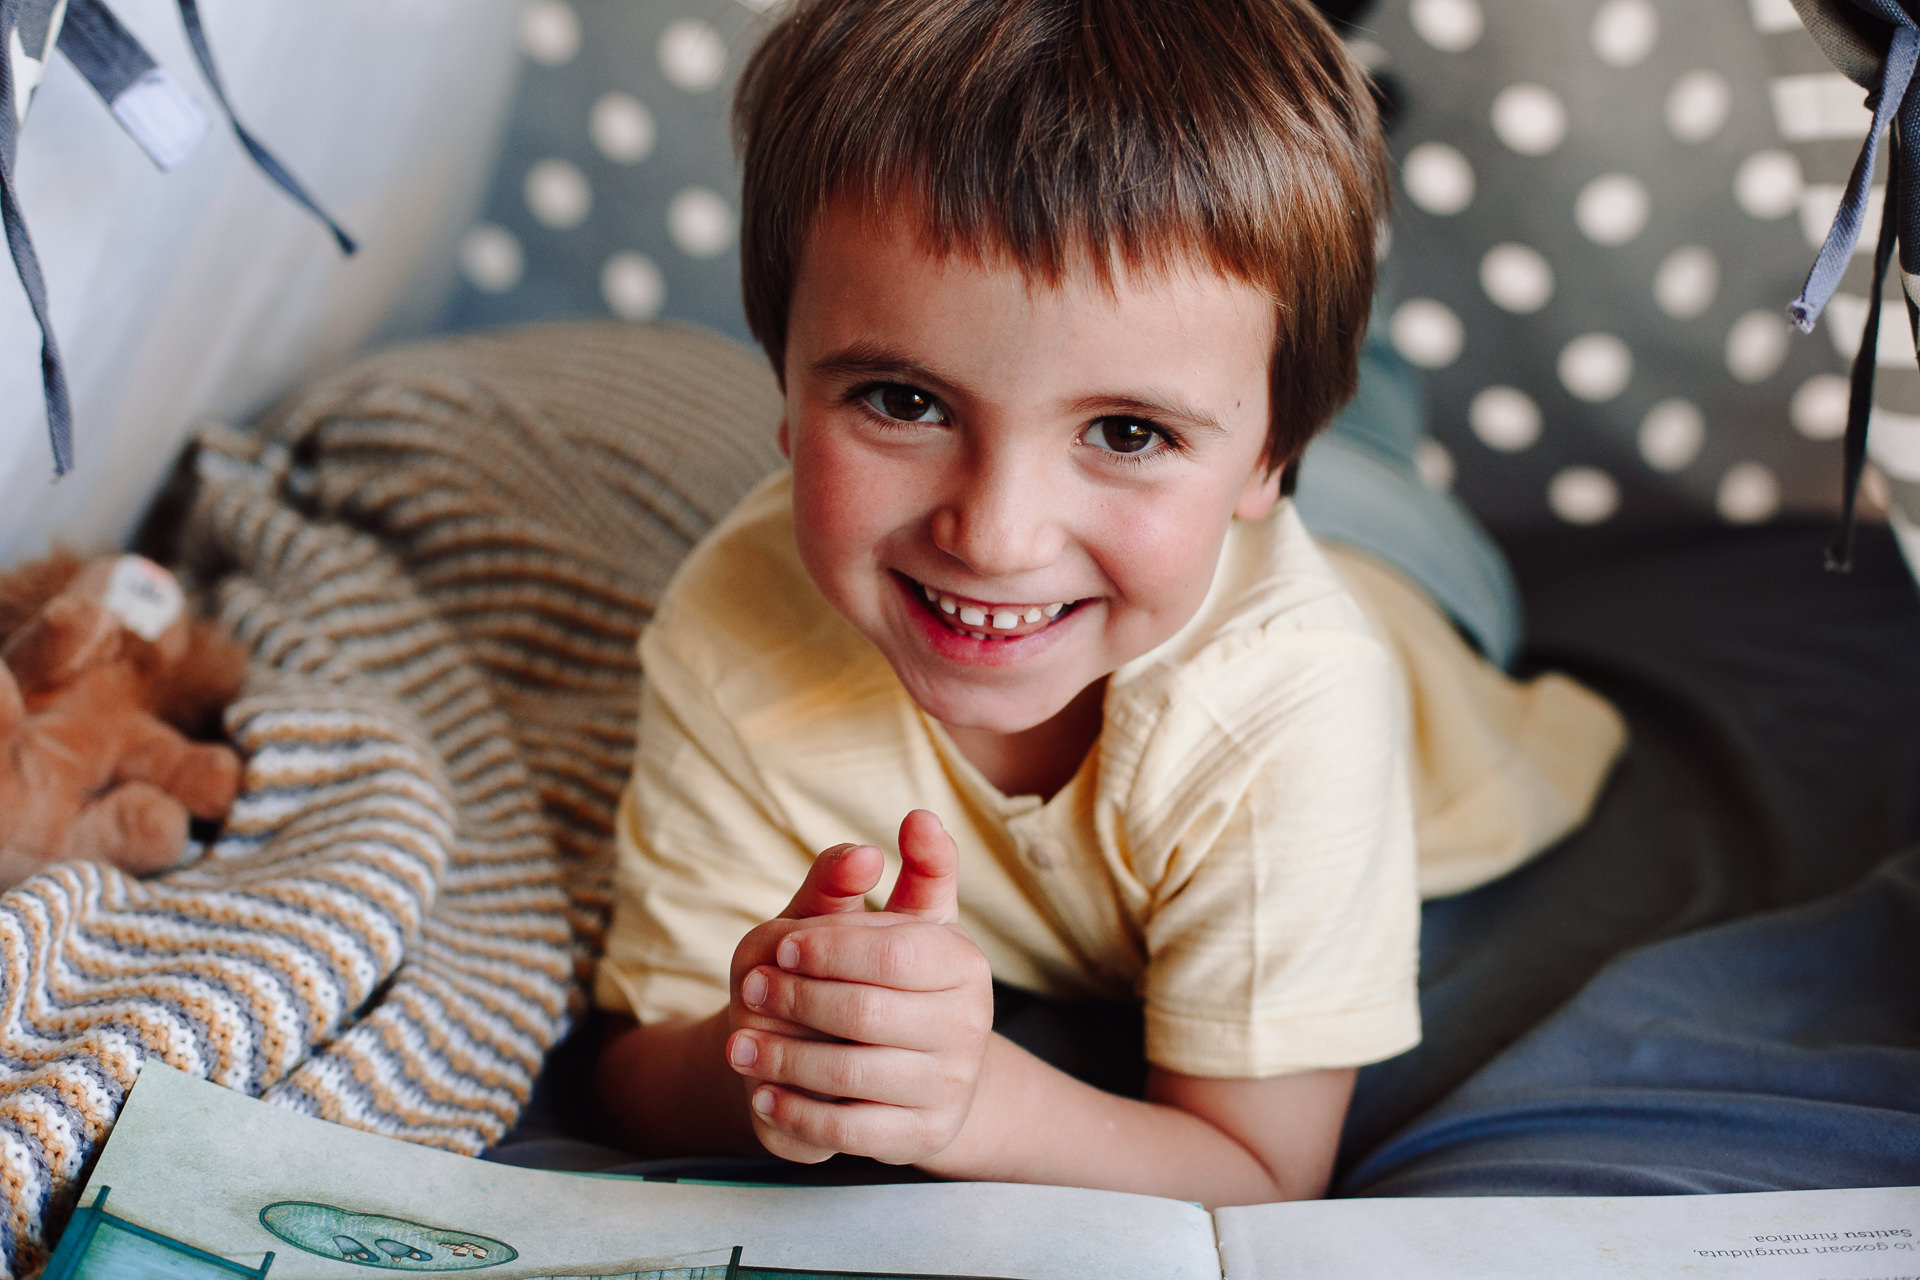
(1033, 1123)
(667, 1090)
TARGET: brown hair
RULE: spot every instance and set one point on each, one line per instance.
(1059, 132)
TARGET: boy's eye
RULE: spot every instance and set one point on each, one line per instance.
(1123, 435)
(903, 403)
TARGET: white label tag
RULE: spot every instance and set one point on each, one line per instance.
(166, 123)
(25, 70)
(29, 66)
(143, 596)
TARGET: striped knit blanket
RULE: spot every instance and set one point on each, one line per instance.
(439, 559)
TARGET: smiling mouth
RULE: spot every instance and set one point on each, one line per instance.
(984, 620)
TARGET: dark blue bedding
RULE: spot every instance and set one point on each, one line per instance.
(1753, 868)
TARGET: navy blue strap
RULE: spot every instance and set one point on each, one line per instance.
(1860, 398)
(112, 60)
(1850, 34)
(197, 37)
(102, 50)
(1903, 51)
(52, 378)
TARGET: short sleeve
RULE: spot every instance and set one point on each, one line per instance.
(700, 859)
(1283, 918)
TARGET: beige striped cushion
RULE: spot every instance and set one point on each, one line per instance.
(440, 558)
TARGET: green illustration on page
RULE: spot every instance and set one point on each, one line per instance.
(376, 1240)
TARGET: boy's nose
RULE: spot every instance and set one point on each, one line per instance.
(1000, 524)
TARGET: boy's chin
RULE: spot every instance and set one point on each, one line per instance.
(997, 713)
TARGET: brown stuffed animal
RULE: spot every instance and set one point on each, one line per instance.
(99, 656)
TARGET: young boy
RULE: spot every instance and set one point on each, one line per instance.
(1057, 290)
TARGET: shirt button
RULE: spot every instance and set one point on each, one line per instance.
(1044, 856)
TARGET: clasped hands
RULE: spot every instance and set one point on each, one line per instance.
(863, 1031)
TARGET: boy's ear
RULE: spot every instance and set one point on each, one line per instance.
(1262, 491)
(785, 452)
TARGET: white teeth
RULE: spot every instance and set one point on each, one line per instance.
(999, 617)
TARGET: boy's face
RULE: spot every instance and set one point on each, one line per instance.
(1057, 467)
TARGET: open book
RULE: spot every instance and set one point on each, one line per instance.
(198, 1181)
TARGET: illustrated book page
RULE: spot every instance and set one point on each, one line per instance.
(198, 1180)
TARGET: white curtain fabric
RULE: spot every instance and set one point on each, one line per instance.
(205, 292)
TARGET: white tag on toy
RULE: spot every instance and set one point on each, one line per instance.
(143, 596)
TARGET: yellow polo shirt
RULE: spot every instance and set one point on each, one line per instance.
(1237, 851)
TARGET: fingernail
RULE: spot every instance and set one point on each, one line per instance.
(754, 989)
(742, 1051)
(763, 1101)
(787, 953)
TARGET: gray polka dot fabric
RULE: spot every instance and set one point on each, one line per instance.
(1599, 227)
(615, 192)
(1603, 207)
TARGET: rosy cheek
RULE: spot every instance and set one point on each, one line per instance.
(836, 515)
(1161, 559)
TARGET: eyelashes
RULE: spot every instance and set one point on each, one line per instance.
(1124, 438)
(898, 402)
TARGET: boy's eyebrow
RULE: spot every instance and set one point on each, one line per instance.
(1158, 408)
(869, 360)
(865, 359)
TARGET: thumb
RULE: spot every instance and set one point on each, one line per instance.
(837, 882)
(929, 883)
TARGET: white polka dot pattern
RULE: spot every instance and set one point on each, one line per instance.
(1583, 495)
(490, 258)
(558, 194)
(1504, 418)
(1449, 25)
(1818, 409)
(1530, 119)
(1435, 465)
(1597, 222)
(701, 222)
(1671, 435)
(622, 128)
(1427, 333)
(1756, 345)
(633, 286)
(1697, 105)
(1768, 184)
(1749, 492)
(1437, 178)
(692, 54)
(550, 32)
(1516, 278)
(1686, 281)
(1624, 32)
(1595, 367)
(1612, 209)
(1619, 266)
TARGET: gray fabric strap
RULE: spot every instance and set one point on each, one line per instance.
(147, 102)
(149, 106)
(1896, 73)
(203, 53)
(53, 378)
(1876, 44)
(1860, 397)
(102, 50)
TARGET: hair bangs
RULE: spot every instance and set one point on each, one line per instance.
(1065, 135)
